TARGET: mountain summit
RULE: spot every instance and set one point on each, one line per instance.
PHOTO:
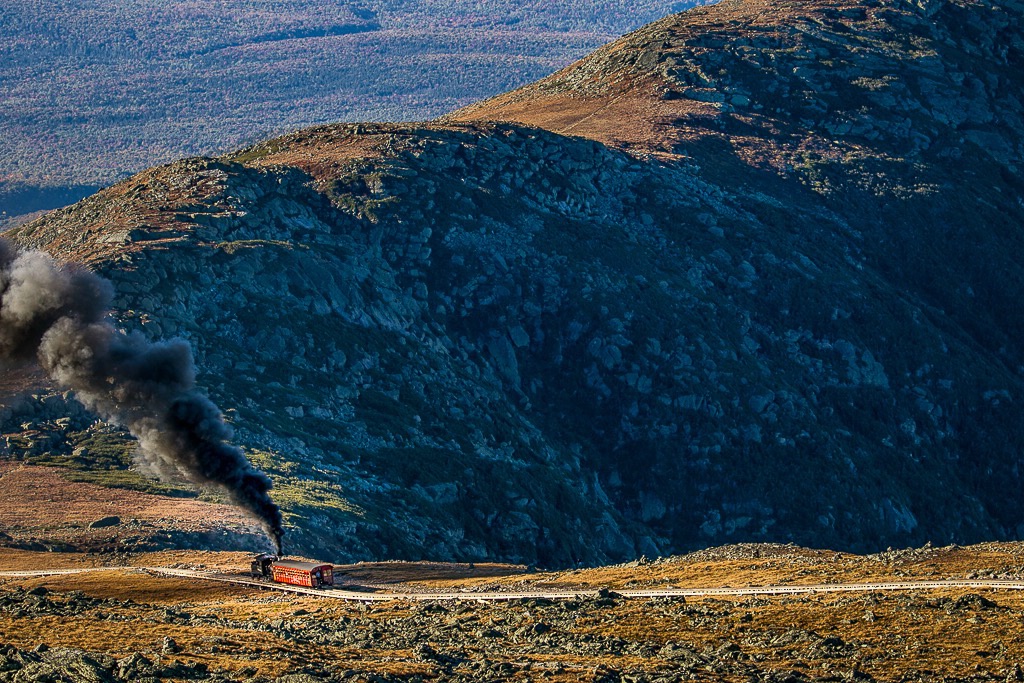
(751, 273)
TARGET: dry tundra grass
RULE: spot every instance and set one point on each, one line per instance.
(255, 633)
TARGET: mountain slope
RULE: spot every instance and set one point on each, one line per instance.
(155, 81)
(893, 114)
(765, 287)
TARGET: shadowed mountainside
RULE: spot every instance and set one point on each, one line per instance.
(750, 273)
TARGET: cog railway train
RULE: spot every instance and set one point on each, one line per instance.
(309, 574)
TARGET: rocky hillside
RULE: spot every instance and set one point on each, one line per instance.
(751, 273)
(158, 80)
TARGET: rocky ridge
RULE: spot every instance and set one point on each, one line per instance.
(777, 302)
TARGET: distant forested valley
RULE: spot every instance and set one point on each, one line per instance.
(91, 91)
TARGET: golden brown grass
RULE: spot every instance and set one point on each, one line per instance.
(427, 575)
(883, 634)
(40, 501)
(634, 119)
(12, 559)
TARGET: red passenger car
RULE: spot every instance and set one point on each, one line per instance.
(308, 574)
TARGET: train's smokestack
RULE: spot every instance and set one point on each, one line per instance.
(57, 314)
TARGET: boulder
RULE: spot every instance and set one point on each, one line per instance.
(105, 522)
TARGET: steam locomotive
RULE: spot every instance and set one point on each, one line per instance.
(309, 574)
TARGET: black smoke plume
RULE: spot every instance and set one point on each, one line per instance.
(57, 314)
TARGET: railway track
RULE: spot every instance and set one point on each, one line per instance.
(366, 594)
(59, 572)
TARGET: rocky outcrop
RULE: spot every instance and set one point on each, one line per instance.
(70, 665)
(486, 340)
